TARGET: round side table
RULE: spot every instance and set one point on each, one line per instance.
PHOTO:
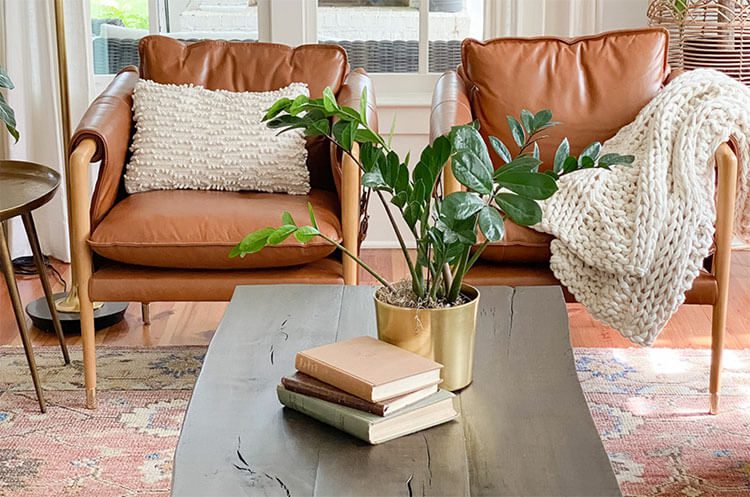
(24, 187)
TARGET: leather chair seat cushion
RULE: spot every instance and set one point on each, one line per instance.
(197, 229)
(594, 85)
(520, 245)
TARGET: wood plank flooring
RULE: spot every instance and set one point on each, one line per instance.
(193, 323)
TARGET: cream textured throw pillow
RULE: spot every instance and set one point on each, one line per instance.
(191, 138)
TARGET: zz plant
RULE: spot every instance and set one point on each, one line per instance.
(7, 116)
(445, 228)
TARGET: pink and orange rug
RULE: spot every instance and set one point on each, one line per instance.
(649, 406)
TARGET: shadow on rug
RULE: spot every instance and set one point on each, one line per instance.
(650, 406)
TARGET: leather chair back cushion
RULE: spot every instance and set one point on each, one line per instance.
(250, 66)
(593, 85)
(196, 229)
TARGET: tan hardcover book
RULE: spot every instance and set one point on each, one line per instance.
(368, 368)
(307, 385)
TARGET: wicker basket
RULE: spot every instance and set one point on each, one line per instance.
(712, 34)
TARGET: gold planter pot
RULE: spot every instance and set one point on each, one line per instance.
(443, 335)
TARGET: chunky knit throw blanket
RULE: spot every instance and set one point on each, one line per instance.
(630, 241)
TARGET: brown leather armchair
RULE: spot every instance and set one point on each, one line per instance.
(174, 245)
(594, 85)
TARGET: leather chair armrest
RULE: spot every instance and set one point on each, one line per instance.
(450, 105)
(109, 123)
(347, 175)
(673, 73)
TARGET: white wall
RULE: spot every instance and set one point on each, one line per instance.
(504, 18)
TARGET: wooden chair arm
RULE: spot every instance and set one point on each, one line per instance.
(350, 215)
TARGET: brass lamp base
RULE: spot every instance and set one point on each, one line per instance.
(107, 314)
(70, 303)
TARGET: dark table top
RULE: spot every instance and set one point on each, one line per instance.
(25, 186)
(524, 429)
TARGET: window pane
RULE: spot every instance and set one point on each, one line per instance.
(117, 25)
(379, 35)
(450, 22)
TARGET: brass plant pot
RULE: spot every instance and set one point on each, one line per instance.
(443, 335)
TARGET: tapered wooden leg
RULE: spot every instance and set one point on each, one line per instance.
(145, 313)
(82, 263)
(726, 191)
(36, 250)
(10, 279)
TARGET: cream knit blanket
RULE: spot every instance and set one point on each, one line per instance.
(630, 241)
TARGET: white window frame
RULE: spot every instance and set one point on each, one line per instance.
(294, 22)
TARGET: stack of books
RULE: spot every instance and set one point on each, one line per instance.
(368, 388)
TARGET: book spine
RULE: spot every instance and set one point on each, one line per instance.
(325, 412)
(333, 376)
(327, 395)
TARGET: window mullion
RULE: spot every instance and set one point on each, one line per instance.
(424, 36)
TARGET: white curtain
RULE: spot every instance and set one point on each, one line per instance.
(30, 56)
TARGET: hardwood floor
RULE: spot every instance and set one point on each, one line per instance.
(193, 323)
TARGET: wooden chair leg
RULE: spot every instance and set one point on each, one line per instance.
(82, 263)
(350, 215)
(145, 313)
(726, 163)
(10, 279)
(36, 250)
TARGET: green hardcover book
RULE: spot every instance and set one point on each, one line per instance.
(434, 410)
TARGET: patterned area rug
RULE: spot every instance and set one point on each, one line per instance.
(649, 406)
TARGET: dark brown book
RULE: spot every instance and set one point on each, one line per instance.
(307, 385)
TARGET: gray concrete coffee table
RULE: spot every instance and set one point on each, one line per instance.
(524, 428)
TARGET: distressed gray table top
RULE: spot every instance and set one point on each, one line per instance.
(524, 428)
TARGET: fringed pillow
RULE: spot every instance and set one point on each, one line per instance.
(190, 138)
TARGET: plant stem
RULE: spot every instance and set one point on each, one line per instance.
(476, 255)
(359, 261)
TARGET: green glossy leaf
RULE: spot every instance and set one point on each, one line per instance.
(570, 165)
(400, 199)
(8, 117)
(527, 119)
(286, 122)
(500, 149)
(363, 106)
(402, 179)
(312, 215)
(471, 172)
(369, 156)
(536, 186)
(586, 162)
(255, 241)
(278, 107)
(298, 104)
(522, 163)
(461, 205)
(552, 174)
(306, 233)
(542, 119)
(349, 114)
(516, 130)
(419, 193)
(366, 136)
(281, 234)
(287, 218)
(563, 151)
(522, 211)
(535, 153)
(5, 81)
(592, 151)
(329, 100)
(412, 213)
(616, 159)
(491, 223)
(468, 138)
(317, 128)
(374, 179)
